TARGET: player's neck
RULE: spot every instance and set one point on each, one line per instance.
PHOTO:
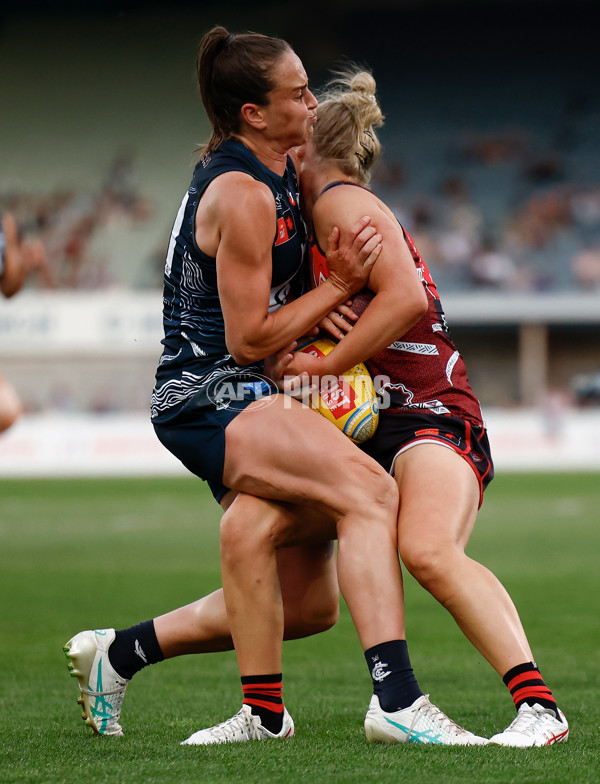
(320, 178)
(269, 155)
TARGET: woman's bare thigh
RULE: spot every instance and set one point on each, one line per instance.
(287, 452)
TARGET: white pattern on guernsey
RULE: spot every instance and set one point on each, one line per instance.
(194, 346)
(174, 232)
(450, 365)
(415, 348)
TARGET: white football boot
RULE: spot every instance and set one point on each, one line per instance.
(240, 728)
(102, 689)
(533, 726)
(422, 722)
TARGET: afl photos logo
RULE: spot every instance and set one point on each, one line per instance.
(235, 391)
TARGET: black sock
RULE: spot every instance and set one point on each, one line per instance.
(263, 693)
(394, 681)
(526, 685)
(134, 648)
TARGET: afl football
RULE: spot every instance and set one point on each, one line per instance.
(349, 400)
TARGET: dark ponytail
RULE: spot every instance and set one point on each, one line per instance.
(234, 70)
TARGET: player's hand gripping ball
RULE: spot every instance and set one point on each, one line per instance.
(350, 400)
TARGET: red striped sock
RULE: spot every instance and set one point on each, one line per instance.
(526, 685)
(263, 693)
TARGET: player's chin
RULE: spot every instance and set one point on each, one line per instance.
(299, 139)
(306, 134)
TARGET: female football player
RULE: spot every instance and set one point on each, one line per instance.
(236, 252)
(431, 436)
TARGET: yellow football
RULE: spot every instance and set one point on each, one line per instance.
(349, 400)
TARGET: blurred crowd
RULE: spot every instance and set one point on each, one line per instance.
(499, 219)
(69, 221)
(542, 235)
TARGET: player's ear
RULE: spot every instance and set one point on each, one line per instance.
(252, 114)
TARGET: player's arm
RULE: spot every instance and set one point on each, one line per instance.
(14, 272)
(399, 301)
(245, 240)
(20, 259)
(339, 322)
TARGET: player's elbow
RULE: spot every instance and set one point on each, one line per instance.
(245, 352)
(418, 304)
(410, 307)
(9, 288)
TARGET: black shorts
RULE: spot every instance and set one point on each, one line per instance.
(196, 436)
(398, 432)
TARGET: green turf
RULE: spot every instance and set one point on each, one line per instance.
(80, 554)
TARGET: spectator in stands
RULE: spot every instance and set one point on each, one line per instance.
(585, 265)
(492, 268)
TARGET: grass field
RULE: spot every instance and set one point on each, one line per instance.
(80, 554)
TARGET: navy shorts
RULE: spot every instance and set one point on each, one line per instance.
(398, 432)
(196, 436)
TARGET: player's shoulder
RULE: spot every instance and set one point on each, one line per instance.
(341, 204)
(235, 190)
(347, 199)
(231, 170)
(235, 178)
(344, 205)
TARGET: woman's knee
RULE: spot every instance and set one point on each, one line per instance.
(428, 562)
(372, 492)
(240, 537)
(312, 617)
(251, 525)
(324, 612)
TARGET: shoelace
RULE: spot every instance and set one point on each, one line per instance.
(239, 722)
(118, 690)
(439, 717)
(525, 720)
(118, 694)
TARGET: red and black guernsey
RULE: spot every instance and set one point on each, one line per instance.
(425, 372)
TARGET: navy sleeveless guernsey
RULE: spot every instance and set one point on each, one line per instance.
(195, 354)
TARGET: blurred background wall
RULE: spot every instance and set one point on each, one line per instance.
(492, 162)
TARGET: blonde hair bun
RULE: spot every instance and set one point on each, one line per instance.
(347, 115)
